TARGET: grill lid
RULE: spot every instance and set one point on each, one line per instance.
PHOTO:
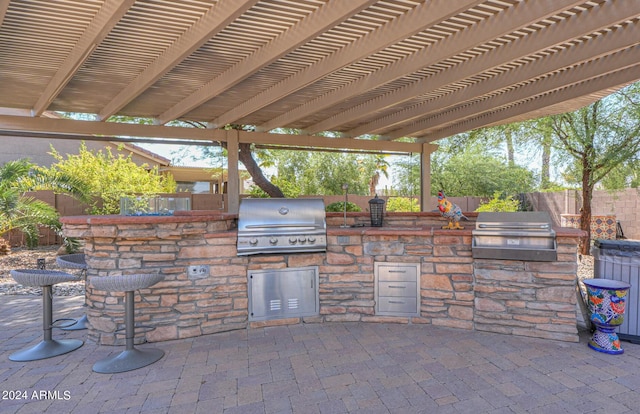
(281, 225)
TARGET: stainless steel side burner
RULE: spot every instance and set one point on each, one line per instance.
(281, 225)
(514, 236)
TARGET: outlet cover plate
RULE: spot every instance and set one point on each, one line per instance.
(198, 271)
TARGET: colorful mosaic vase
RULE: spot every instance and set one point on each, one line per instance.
(606, 301)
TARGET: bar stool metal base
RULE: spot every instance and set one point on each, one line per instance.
(131, 358)
(46, 349)
(128, 360)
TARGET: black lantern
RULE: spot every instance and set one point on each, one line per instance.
(376, 209)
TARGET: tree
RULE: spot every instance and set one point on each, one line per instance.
(625, 175)
(475, 173)
(111, 177)
(407, 174)
(317, 172)
(600, 138)
(25, 213)
(381, 167)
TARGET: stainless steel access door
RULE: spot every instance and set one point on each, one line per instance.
(283, 293)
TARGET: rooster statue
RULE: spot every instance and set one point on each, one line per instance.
(451, 212)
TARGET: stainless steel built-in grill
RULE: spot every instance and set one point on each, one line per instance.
(514, 236)
(281, 225)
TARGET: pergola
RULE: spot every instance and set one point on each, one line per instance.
(383, 75)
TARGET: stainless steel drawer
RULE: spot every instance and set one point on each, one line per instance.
(398, 273)
(399, 289)
(397, 306)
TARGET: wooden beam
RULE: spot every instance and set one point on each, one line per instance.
(576, 26)
(110, 130)
(571, 92)
(398, 29)
(425, 176)
(217, 18)
(107, 17)
(330, 14)
(512, 19)
(557, 81)
(324, 142)
(232, 199)
(4, 5)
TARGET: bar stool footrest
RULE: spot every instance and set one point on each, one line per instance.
(59, 323)
(138, 329)
(81, 323)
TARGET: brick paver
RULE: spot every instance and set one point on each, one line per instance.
(317, 368)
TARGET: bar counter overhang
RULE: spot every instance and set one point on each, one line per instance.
(527, 298)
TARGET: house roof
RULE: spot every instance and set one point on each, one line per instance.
(392, 68)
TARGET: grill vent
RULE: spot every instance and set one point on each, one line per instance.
(275, 305)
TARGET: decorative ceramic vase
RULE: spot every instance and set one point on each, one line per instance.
(606, 301)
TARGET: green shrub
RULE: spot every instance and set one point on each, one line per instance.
(339, 207)
(499, 203)
(402, 204)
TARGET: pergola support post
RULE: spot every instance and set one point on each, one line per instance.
(425, 176)
(232, 202)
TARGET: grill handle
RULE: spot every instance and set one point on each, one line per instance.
(280, 226)
(514, 226)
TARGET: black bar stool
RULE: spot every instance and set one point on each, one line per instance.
(75, 261)
(131, 358)
(48, 347)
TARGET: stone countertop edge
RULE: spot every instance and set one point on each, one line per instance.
(182, 217)
(203, 215)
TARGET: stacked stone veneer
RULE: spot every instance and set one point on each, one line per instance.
(512, 297)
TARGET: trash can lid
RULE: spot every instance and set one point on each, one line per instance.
(622, 245)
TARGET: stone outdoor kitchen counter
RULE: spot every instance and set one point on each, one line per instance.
(536, 299)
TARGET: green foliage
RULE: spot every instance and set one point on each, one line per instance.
(339, 207)
(111, 177)
(625, 175)
(324, 173)
(602, 141)
(407, 175)
(404, 204)
(290, 190)
(499, 203)
(474, 173)
(25, 213)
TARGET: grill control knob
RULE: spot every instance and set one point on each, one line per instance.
(293, 240)
(302, 239)
(253, 242)
(273, 241)
(311, 239)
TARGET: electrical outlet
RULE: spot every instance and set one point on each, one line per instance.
(198, 271)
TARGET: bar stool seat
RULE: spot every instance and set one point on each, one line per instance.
(131, 358)
(75, 261)
(125, 283)
(72, 261)
(48, 347)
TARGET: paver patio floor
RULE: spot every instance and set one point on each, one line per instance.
(317, 368)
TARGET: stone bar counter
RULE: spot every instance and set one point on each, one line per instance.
(536, 299)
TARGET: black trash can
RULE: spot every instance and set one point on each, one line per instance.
(620, 260)
(376, 209)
